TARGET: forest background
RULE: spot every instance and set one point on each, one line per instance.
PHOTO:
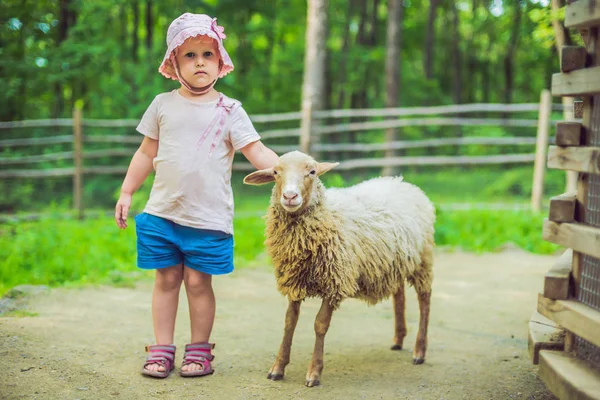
(102, 57)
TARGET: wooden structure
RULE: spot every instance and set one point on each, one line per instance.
(564, 334)
(85, 152)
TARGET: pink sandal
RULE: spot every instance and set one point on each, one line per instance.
(198, 353)
(162, 355)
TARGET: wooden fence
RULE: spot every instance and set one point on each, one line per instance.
(388, 118)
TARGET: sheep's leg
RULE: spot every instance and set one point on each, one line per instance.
(423, 288)
(400, 320)
(421, 344)
(313, 376)
(283, 357)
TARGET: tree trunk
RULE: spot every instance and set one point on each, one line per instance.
(149, 26)
(361, 40)
(471, 59)
(136, 22)
(61, 36)
(430, 40)
(392, 70)
(356, 95)
(123, 30)
(510, 54)
(456, 56)
(314, 72)
(341, 71)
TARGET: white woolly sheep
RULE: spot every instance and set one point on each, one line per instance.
(358, 242)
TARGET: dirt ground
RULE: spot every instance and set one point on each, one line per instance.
(89, 343)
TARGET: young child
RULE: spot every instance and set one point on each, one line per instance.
(185, 231)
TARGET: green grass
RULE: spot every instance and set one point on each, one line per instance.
(58, 252)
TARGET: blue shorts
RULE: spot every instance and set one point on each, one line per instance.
(162, 243)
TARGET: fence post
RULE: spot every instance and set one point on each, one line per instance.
(78, 162)
(541, 148)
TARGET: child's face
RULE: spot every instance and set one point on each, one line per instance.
(198, 60)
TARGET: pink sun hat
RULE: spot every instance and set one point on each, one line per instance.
(190, 25)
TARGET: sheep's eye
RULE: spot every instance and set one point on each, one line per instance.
(313, 172)
(274, 172)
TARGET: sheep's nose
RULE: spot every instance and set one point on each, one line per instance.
(289, 195)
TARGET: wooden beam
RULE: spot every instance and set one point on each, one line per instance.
(568, 134)
(569, 378)
(581, 159)
(556, 280)
(582, 14)
(544, 334)
(572, 58)
(562, 207)
(579, 237)
(582, 320)
(541, 147)
(577, 83)
(578, 109)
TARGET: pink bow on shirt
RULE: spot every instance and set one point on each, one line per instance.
(224, 110)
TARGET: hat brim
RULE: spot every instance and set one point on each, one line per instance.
(167, 69)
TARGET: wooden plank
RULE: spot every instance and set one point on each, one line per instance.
(34, 123)
(66, 155)
(582, 14)
(577, 83)
(556, 280)
(41, 173)
(539, 167)
(582, 320)
(568, 377)
(36, 141)
(579, 237)
(581, 159)
(544, 334)
(568, 134)
(578, 109)
(572, 58)
(362, 126)
(436, 160)
(562, 207)
(435, 110)
(414, 144)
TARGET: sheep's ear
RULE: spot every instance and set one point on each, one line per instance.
(326, 166)
(260, 177)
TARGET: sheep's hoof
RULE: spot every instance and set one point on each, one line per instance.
(311, 383)
(275, 377)
(396, 347)
(417, 361)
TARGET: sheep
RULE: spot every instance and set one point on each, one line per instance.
(359, 242)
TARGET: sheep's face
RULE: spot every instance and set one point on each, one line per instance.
(294, 175)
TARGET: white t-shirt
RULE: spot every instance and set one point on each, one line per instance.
(192, 186)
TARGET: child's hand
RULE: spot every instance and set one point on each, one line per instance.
(122, 209)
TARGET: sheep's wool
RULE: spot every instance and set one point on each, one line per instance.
(359, 242)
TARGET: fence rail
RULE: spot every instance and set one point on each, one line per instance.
(295, 116)
(389, 118)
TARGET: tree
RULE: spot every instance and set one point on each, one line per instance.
(314, 71)
(393, 69)
(430, 40)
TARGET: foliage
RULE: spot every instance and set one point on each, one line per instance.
(58, 251)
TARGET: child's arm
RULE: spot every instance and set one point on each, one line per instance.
(259, 155)
(139, 169)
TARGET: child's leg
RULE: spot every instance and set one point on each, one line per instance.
(165, 299)
(201, 299)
